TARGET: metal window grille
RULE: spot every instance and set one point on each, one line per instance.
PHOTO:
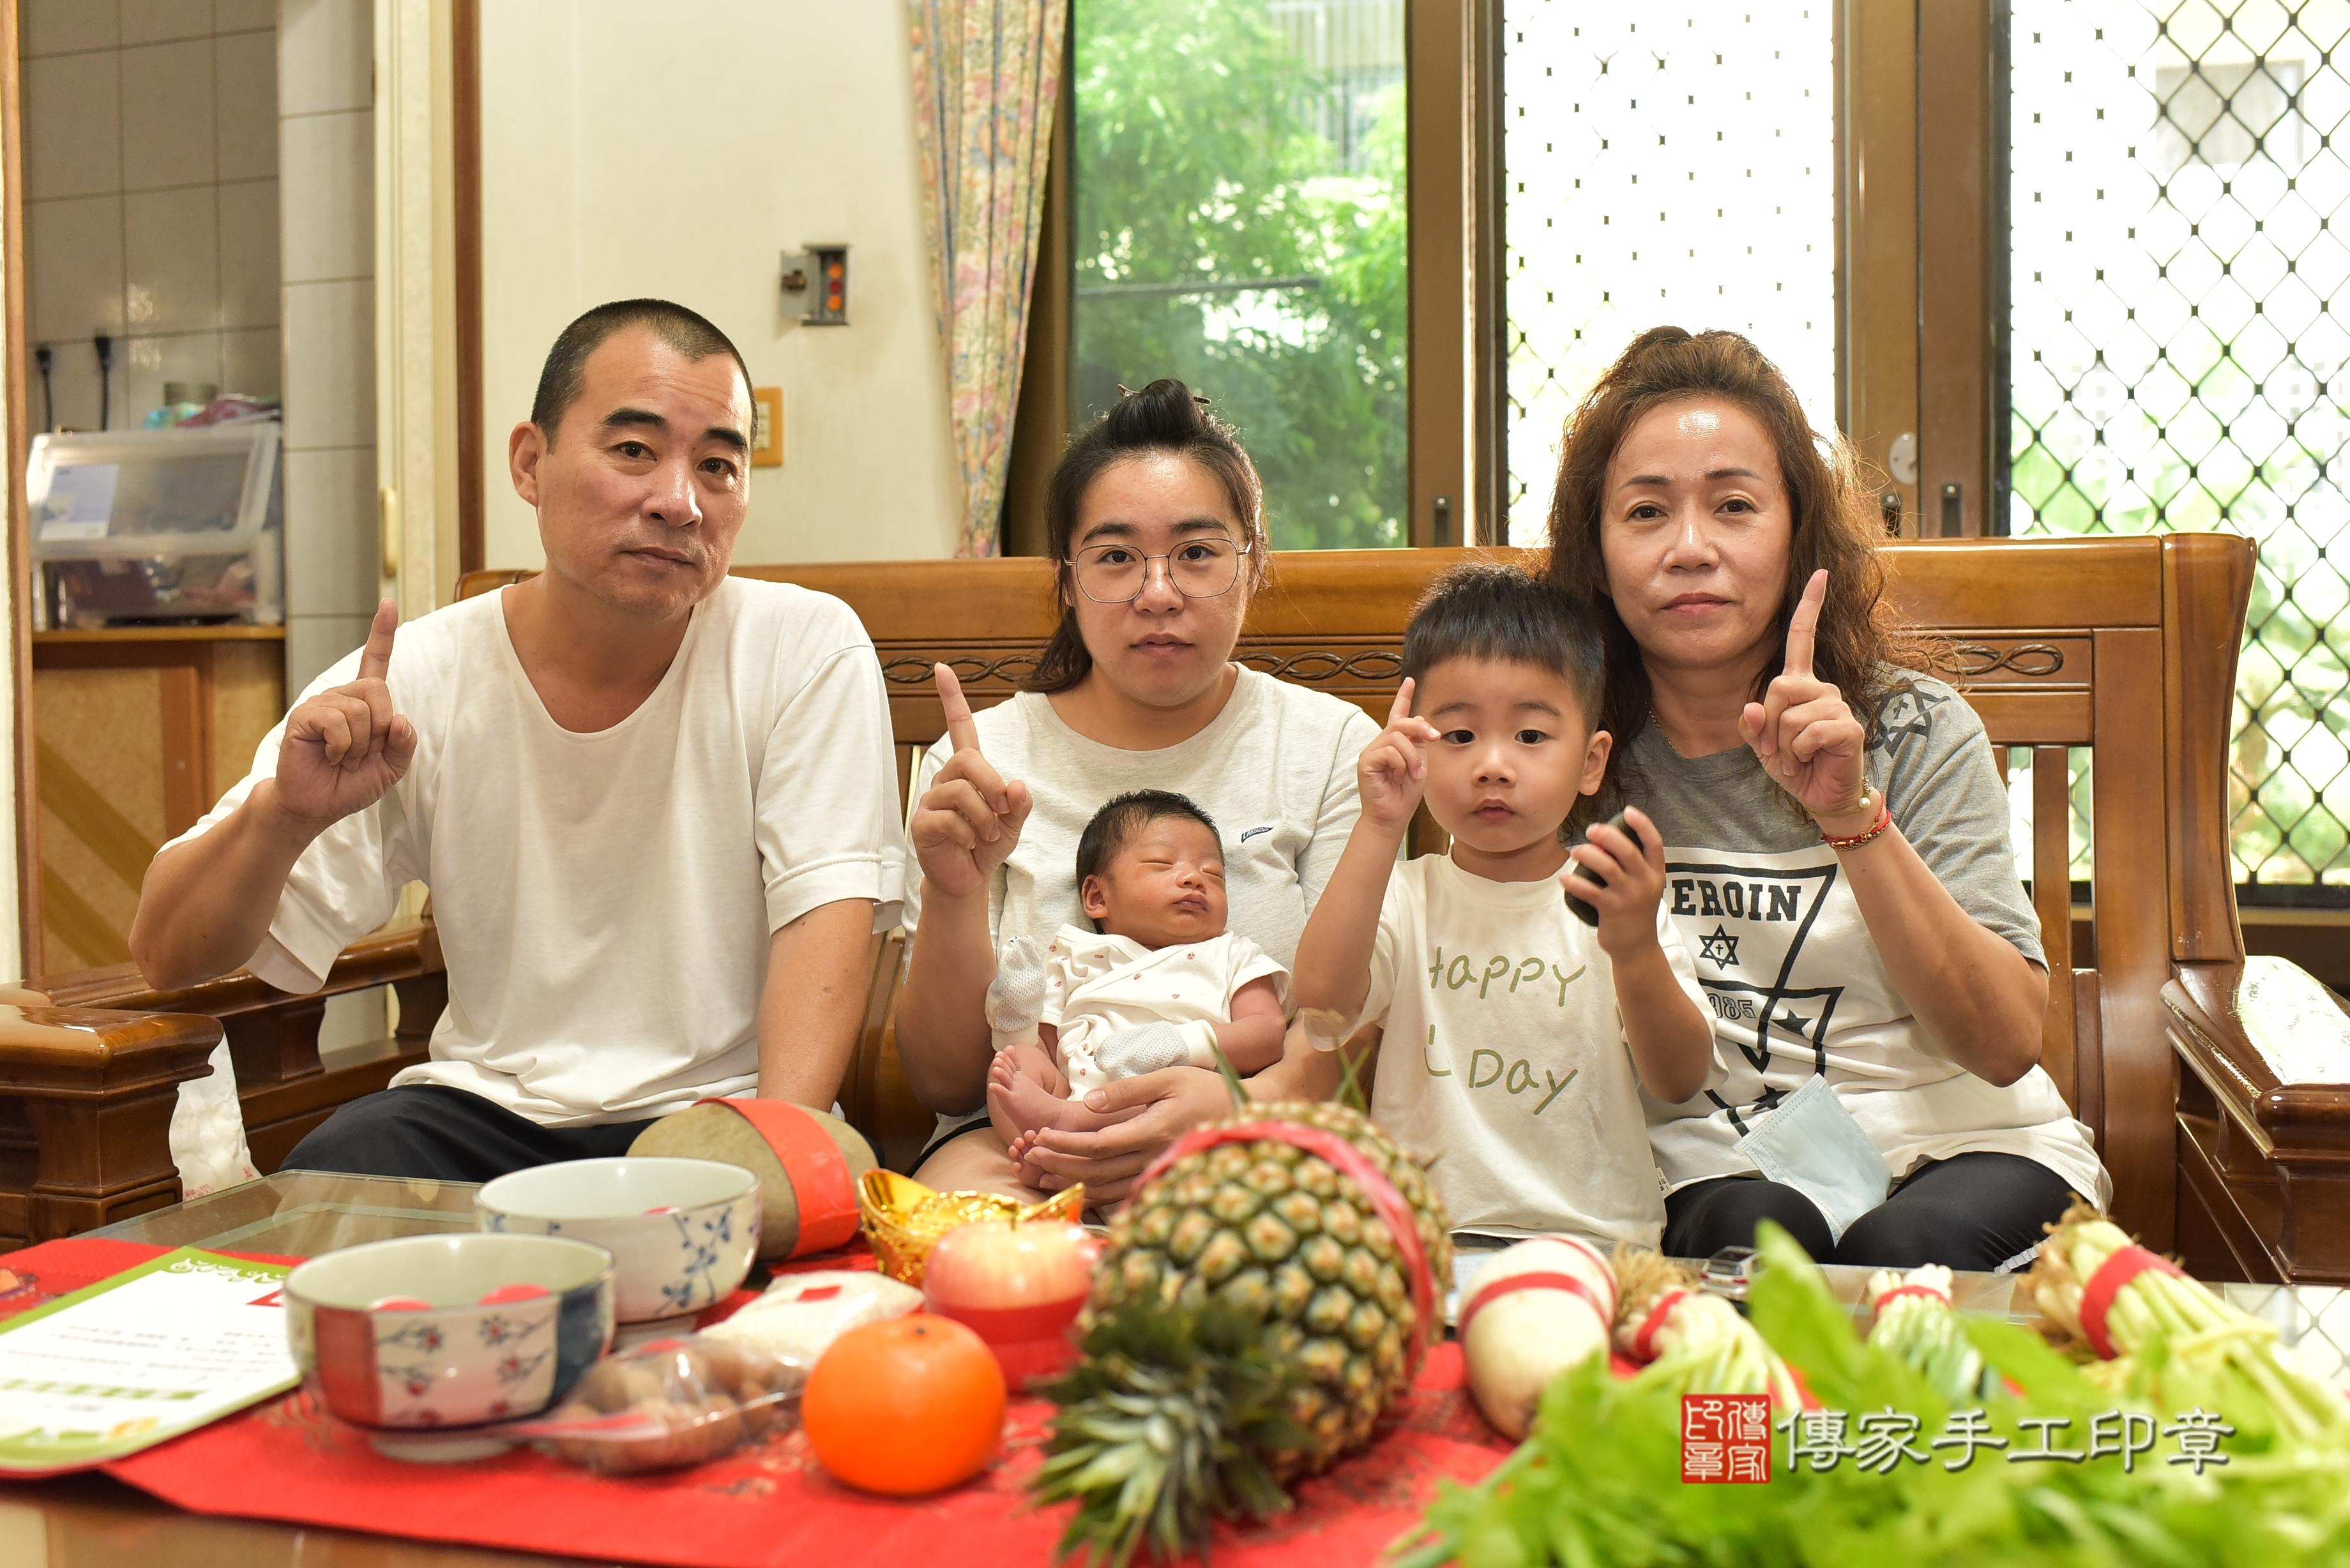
(2176, 359)
(1669, 164)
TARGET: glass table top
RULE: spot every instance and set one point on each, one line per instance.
(302, 1214)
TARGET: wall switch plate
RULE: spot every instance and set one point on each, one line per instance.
(767, 427)
(817, 278)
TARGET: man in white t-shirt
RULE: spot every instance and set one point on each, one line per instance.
(655, 805)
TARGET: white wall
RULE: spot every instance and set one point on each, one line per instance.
(678, 151)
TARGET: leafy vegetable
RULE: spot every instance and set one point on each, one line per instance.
(1597, 1483)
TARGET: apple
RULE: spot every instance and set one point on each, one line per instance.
(1019, 1287)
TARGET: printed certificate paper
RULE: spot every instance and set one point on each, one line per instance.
(156, 1351)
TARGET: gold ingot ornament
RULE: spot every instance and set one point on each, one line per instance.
(904, 1220)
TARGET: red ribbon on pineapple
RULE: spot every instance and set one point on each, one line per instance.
(1350, 1162)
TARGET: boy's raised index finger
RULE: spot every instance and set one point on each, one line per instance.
(1401, 710)
(1802, 627)
(375, 658)
(960, 728)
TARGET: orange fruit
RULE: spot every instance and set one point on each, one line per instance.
(910, 1405)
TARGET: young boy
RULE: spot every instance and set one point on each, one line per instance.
(1158, 982)
(1517, 1037)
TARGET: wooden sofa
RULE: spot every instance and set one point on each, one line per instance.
(2123, 646)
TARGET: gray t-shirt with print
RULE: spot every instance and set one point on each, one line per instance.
(1794, 981)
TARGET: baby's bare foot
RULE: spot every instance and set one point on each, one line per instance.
(1031, 1104)
(1023, 1104)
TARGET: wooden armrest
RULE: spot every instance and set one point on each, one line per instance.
(85, 1102)
(404, 951)
(273, 1035)
(2272, 1045)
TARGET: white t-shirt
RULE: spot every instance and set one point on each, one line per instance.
(1275, 770)
(605, 900)
(1504, 1055)
(1097, 983)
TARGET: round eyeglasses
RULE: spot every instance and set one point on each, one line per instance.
(1197, 569)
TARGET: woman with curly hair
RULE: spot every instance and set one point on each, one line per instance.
(1836, 835)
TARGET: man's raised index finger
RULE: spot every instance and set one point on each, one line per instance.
(1804, 623)
(375, 658)
(960, 728)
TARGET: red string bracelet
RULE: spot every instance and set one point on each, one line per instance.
(1884, 821)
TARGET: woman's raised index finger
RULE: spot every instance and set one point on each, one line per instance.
(1802, 626)
(960, 728)
(1402, 709)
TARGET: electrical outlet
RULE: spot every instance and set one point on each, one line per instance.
(767, 427)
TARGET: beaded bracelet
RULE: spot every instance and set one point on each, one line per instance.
(1883, 820)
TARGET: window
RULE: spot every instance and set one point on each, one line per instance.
(2174, 362)
(1671, 164)
(1240, 223)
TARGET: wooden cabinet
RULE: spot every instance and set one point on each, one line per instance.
(135, 731)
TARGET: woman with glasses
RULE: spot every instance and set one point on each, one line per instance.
(1156, 528)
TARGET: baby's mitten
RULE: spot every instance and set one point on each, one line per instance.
(1015, 1001)
(1148, 1047)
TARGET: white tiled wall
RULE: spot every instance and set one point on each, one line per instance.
(150, 210)
(198, 180)
(325, 169)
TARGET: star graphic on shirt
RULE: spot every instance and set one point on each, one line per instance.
(1908, 711)
(1719, 947)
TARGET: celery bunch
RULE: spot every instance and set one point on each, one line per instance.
(1701, 1345)
(1917, 1327)
(2176, 1343)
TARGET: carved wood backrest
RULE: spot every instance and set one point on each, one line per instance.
(2123, 646)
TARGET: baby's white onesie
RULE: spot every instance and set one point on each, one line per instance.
(1098, 985)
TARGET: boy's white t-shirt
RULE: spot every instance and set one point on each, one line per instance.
(1504, 1055)
(1097, 983)
(1275, 770)
(605, 900)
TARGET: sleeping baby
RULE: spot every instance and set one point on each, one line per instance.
(1156, 982)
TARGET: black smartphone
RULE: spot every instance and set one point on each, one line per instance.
(1584, 912)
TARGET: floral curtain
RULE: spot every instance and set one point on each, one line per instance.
(987, 74)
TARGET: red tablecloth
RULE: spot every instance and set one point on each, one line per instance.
(767, 1504)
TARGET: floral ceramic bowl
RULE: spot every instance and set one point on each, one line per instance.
(682, 1232)
(397, 1334)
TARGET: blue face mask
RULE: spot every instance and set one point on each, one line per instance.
(1812, 1144)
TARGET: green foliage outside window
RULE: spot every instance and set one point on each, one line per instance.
(1221, 237)
(2292, 725)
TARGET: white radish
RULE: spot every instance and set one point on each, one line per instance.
(1540, 1307)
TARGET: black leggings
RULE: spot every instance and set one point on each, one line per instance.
(1978, 1210)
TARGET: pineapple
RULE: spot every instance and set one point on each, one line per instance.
(1254, 1316)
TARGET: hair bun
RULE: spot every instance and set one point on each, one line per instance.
(1165, 413)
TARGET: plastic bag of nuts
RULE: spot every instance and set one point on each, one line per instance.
(668, 1402)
